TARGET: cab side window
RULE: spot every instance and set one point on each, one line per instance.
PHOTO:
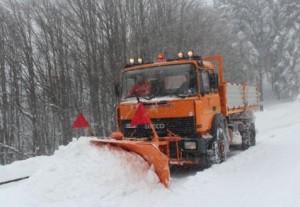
(205, 86)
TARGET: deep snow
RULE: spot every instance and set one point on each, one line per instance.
(82, 175)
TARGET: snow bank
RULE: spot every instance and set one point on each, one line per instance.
(22, 168)
(83, 173)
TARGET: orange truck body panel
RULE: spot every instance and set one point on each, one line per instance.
(171, 109)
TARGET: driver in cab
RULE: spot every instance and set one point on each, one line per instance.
(141, 87)
(189, 85)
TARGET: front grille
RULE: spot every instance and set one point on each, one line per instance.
(184, 127)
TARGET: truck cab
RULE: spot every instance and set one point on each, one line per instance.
(183, 101)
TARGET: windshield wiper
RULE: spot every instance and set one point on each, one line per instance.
(148, 98)
(182, 95)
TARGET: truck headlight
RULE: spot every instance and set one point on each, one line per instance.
(131, 61)
(190, 53)
(190, 145)
(140, 60)
(180, 55)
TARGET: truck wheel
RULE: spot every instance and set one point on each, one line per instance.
(220, 145)
(252, 134)
(248, 136)
(203, 162)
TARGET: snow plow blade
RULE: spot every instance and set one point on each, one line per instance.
(148, 151)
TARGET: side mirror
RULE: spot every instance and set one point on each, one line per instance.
(117, 89)
(214, 80)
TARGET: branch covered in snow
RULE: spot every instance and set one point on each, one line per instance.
(15, 150)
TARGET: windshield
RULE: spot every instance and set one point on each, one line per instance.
(170, 80)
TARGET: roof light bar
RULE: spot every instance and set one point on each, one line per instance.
(131, 61)
(180, 55)
(140, 60)
(190, 54)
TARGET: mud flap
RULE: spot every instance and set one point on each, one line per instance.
(148, 151)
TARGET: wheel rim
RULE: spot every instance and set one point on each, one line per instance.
(217, 157)
(222, 143)
(219, 147)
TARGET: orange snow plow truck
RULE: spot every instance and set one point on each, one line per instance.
(182, 112)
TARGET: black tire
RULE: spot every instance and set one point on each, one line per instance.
(248, 135)
(252, 135)
(203, 162)
(219, 147)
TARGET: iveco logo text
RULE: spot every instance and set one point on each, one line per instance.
(156, 126)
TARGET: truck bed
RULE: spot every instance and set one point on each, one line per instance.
(239, 98)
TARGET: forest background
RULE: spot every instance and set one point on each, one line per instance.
(62, 57)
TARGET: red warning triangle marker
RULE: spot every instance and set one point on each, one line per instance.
(80, 122)
(140, 116)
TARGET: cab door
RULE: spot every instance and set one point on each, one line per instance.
(208, 104)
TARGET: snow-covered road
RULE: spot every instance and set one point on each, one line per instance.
(266, 175)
